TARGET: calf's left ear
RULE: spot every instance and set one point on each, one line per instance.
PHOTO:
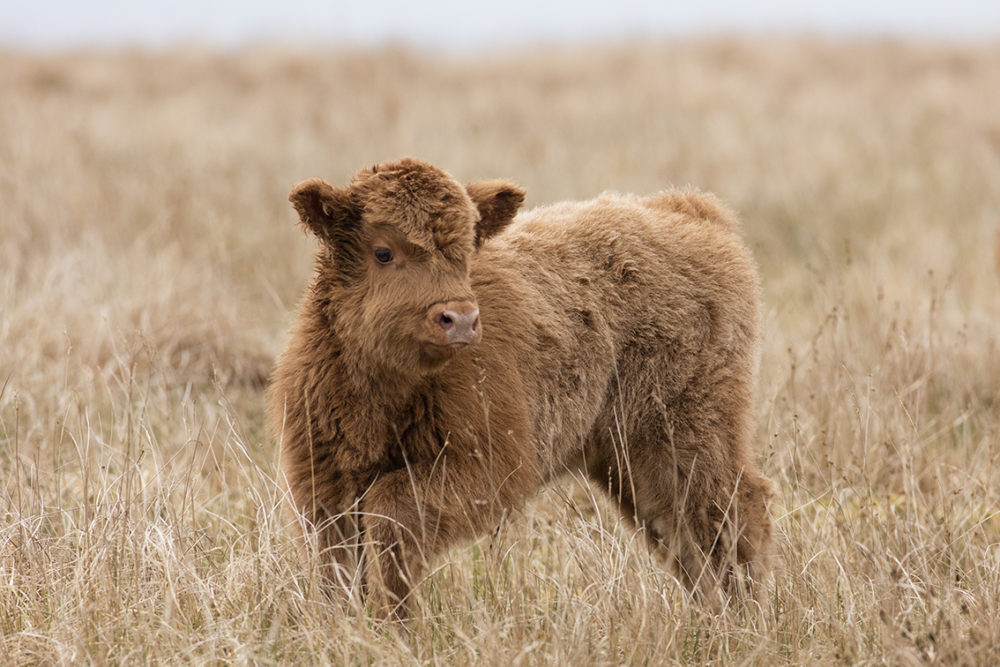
(497, 202)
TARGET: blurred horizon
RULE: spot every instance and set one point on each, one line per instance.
(450, 26)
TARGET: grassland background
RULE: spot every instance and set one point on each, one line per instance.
(149, 264)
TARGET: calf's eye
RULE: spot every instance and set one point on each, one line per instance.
(383, 255)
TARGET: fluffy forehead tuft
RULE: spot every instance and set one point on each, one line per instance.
(427, 205)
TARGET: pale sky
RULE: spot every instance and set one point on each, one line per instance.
(466, 25)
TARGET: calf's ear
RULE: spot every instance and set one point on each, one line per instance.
(497, 202)
(328, 212)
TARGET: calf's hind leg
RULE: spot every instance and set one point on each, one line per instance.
(701, 502)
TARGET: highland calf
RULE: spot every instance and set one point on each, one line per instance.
(448, 360)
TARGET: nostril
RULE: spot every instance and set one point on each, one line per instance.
(455, 323)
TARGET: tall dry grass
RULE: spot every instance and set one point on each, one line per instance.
(149, 263)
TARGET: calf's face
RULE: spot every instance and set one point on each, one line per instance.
(393, 267)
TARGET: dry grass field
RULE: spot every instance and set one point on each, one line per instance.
(149, 265)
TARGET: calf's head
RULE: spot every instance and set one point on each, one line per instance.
(393, 265)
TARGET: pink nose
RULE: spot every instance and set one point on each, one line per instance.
(457, 322)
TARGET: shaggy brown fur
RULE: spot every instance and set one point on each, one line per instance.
(618, 337)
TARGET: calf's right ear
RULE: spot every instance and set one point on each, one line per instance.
(326, 211)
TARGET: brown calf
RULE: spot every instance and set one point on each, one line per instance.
(446, 363)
